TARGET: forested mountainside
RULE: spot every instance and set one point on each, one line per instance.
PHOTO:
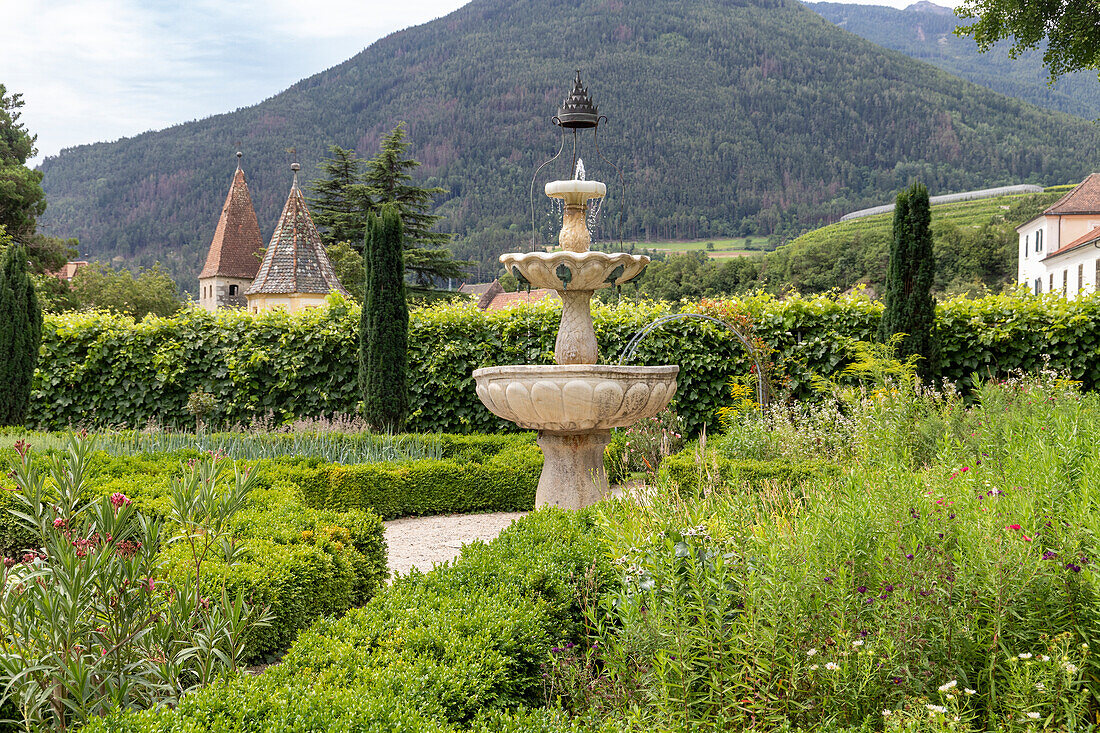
(726, 116)
(925, 31)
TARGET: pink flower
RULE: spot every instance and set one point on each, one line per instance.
(1026, 538)
(58, 523)
(1015, 527)
(964, 469)
(120, 500)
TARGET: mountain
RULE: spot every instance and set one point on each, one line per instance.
(726, 117)
(925, 31)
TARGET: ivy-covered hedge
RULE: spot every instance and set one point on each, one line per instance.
(459, 648)
(103, 369)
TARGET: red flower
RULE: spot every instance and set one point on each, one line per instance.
(1014, 527)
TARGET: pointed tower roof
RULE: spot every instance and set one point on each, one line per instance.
(237, 243)
(295, 260)
(1083, 199)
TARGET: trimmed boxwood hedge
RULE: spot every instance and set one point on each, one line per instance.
(459, 648)
(502, 482)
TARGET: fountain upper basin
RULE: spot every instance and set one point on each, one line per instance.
(577, 397)
(564, 270)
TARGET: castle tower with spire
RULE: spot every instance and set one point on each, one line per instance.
(235, 251)
(296, 273)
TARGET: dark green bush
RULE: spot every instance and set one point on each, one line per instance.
(459, 648)
(505, 481)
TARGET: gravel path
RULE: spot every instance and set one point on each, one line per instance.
(421, 542)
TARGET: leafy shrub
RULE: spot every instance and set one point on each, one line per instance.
(460, 648)
(505, 481)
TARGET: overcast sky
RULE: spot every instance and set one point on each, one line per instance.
(92, 70)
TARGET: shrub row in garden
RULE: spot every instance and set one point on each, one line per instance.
(460, 648)
(690, 472)
(101, 369)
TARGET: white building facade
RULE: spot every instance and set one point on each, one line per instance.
(1059, 250)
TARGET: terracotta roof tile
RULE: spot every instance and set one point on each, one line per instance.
(1083, 199)
(235, 249)
(295, 260)
(1090, 237)
(507, 300)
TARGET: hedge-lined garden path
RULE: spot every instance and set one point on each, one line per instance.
(420, 542)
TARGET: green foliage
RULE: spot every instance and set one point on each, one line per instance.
(384, 329)
(22, 199)
(838, 125)
(20, 334)
(910, 310)
(348, 265)
(98, 287)
(300, 561)
(460, 648)
(103, 369)
(690, 473)
(335, 200)
(505, 481)
(87, 629)
(1065, 32)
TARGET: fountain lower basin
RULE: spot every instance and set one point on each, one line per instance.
(574, 407)
(575, 397)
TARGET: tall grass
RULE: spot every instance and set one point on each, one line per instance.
(955, 553)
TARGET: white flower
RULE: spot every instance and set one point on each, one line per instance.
(1033, 716)
(1039, 686)
(948, 686)
(1045, 658)
(832, 665)
(811, 652)
(968, 691)
(886, 713)
(936, 708)
(1025, 655)
(857, 642)
(813, 666)
(1071, 668)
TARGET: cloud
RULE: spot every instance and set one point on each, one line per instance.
(93, 70)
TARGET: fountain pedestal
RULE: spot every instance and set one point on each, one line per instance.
(575, 403)
(573, 474)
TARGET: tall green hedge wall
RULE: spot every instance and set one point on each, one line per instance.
(100, 369)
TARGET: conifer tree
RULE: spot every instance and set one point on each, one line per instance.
(910, 309)
(384, 329)
(338, 194)
(20, 334)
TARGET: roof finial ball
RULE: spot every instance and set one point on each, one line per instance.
(239, 154)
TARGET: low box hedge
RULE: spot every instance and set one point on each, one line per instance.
(503, 481)
(459, 648)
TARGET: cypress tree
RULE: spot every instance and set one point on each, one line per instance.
(384, 329)
(20, 335)
(910, 309)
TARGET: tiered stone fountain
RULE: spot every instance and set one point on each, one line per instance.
(574, 404)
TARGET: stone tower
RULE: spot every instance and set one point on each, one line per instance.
(296, 273)
(235, 251)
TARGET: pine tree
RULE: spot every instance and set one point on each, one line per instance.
(388, 181)
(337, 200)
(20, 335)
(384, 329)
(910, 309)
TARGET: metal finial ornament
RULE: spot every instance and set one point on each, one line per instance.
(239, 154)
(578, 111)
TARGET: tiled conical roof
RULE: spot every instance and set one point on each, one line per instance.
(295, 260)
(235, 249)
(1083, 199)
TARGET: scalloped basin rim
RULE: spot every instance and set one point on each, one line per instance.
(572, 371)
(596, 188)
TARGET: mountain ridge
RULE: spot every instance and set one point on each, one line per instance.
(727, 117)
